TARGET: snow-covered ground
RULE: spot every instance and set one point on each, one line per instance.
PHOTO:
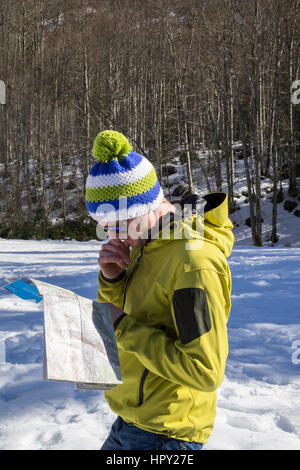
(258, 402)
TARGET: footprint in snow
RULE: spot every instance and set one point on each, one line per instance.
(284, 424)
(48, 438)
(74, 419)
(244, 422)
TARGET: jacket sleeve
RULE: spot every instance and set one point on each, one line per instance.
(200, 306)
(111, 291)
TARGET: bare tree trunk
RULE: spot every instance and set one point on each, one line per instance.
(258, 165)
(188, 159)
(59, 151)
(247, 170)
(274, 236)
(231, 135)
(227, 133)
(292, 144)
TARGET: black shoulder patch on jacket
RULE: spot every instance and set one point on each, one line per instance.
(191, 313)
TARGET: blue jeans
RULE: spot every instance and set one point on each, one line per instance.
(124, 436)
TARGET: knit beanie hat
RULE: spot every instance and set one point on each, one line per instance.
(122, 184)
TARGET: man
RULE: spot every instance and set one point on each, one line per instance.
(171, 298)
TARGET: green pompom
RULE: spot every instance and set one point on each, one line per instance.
(109, 145)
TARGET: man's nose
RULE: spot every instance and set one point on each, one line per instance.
(113, 233)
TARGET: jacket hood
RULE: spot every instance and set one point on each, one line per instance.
(217, 225)
(212, 223)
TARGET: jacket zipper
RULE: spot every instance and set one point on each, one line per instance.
(145, 373)
(141, 389)
(130, 276)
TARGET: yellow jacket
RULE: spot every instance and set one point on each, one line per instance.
(172, 339)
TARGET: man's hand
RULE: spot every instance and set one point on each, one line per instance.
(115, 312)
(113, 258)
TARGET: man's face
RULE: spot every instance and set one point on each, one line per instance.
(131, 231)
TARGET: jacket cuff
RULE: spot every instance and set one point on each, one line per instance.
(117, 321)
(116, 279)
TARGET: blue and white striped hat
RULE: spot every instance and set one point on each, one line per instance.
(122, 184)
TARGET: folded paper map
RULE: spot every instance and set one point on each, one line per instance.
(80, 344)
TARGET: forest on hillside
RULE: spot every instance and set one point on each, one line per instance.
(177, 77)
